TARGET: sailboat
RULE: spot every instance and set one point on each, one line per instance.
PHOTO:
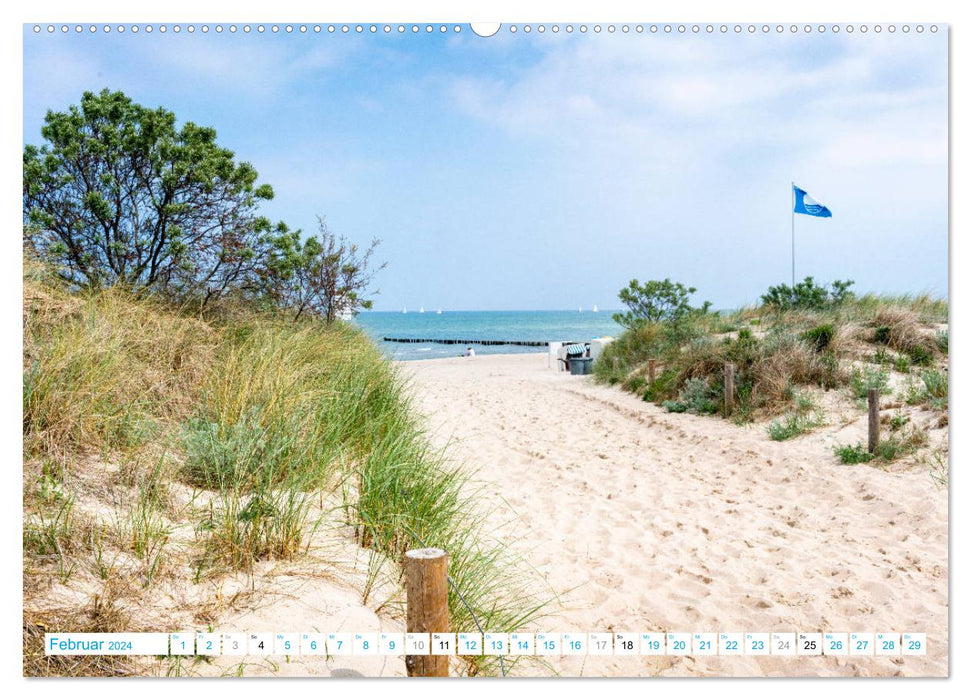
(421, 310)
(404, 310)
(439, 312)
(581, 309)
(595, 309)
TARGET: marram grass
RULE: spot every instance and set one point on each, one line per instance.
(258, 415)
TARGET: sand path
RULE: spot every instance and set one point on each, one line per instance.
(649, 521)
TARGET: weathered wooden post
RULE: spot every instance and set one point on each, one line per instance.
(873, 404)
(729, 388)
(616, 365)
(651, 370)
(426, 574)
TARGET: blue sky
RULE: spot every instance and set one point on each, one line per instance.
(545, 171)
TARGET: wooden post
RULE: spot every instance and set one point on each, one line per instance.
(729, 388)
(426, 574)
(616, 364)
(651, 370)
(873, 403)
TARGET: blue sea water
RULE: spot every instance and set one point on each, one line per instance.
(481, 325)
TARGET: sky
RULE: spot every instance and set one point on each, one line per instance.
(544, 171)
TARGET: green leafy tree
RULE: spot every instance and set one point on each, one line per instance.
(118, 194)
(325, 275)
(655, 301)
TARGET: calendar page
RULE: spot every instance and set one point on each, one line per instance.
(612, 349)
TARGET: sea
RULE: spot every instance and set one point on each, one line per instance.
(576, 326)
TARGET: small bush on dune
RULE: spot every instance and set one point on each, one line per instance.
(820, 336)
(852, 454)
(696, 397)
(862, 379)
(663, 385)
(808, 295)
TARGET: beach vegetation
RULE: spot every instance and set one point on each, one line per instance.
(819, 336)
(221, 435)
(118, 194)
(121, 195)
(862, 379)
(804, 416)
(655, 301)
(807, 295)
(901, 442)
(696, 397)
(938, 467)
(852, 454)
(930, 388)
(325, 274)
(798, 339)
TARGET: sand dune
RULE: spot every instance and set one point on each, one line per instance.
(648, 521)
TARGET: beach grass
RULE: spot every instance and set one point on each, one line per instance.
(257, 417)
(861, 343)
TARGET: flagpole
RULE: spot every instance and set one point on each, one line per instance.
(792, 215)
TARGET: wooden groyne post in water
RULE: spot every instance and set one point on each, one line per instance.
(426, 574)
(729, 388)
(873, 406)
(450, 341)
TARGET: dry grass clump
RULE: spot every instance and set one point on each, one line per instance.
(786, 361)
(104, 613)
(900, 329)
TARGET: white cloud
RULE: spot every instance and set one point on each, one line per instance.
(713, 98)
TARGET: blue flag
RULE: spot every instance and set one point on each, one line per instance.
(807, 205)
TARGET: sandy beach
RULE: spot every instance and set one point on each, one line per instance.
(641, 520)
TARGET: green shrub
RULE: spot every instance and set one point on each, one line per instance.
(866, 378)
(852, 454)
(882, 357)
(696, 397)
(889, 449)
(881, 334)
(898, 421)
(920, 355)
(940, 339)
(820, 336)
(807, 295)
(663, 385)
